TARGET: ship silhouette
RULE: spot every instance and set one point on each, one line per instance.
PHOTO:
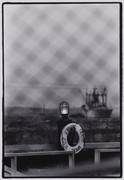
(96, 103)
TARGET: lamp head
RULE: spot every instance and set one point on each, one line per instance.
(64, 108)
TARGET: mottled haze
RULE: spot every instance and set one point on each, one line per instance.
(53, 50)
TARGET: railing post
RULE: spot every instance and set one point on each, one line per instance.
(14, 165)
(97, 156)
(71, 160)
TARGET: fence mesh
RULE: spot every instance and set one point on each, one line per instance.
(54, 51)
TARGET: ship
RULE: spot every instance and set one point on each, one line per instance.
(96, 103)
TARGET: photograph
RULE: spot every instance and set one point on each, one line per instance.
(62, 89)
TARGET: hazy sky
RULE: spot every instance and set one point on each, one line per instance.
(52, 51)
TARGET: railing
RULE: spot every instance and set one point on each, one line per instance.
(97, 147)
(14, 157)
(92, 170)
(9, 172)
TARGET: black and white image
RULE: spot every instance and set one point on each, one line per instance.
(62, 89)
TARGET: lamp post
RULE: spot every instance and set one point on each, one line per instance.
(64, 111)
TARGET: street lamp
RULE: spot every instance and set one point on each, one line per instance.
(64, 108)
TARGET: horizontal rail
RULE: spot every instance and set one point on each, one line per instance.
(38, 153)
(102, 145)
(41, 147)
(107, 150)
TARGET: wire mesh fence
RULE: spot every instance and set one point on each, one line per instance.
(61, 52)
(51, 51)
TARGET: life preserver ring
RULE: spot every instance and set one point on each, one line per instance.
(64, 141)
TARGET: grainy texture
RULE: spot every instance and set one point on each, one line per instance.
(30, 126)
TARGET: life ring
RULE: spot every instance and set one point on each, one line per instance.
(64, 141)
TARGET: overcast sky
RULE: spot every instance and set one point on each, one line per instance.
(52, 51)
